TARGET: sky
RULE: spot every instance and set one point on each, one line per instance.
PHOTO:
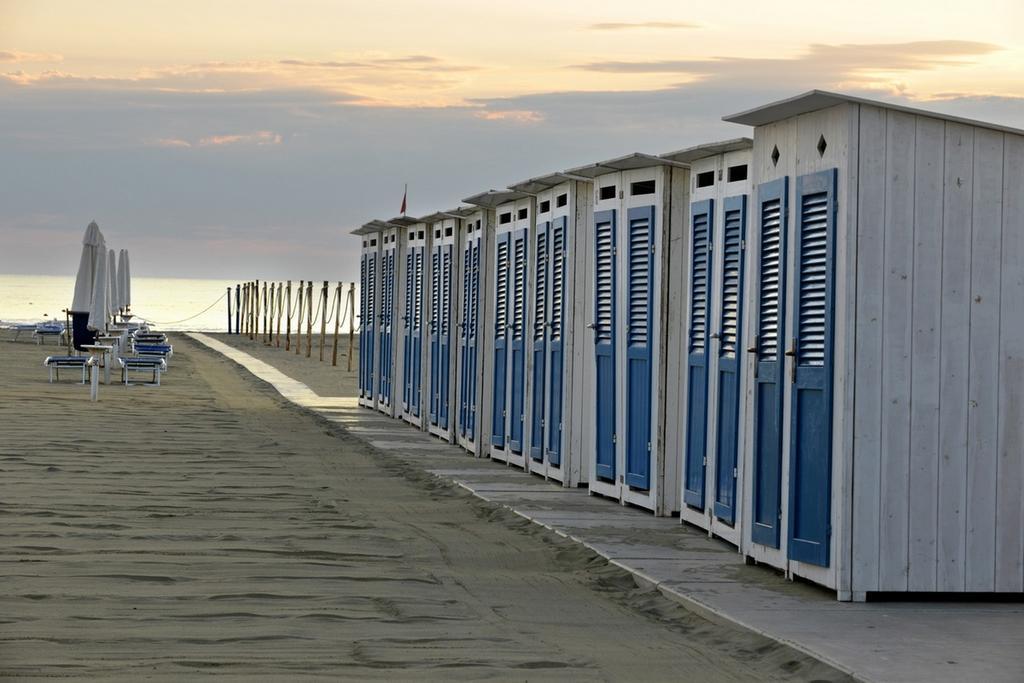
(231, 139)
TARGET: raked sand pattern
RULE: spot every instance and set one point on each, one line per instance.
(207, 528)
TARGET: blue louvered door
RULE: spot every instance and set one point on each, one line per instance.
(363, 384)
(639, 314)
(539, 333)
(370, 317)
(416, 390)
(474, 313)
(702, 221)
(502, 267)
(445, 342)
(517, 342)
(730, 340)
(771, 217)
(810, 455)
(387, 324)
(604, 343)
(434, 328)
(407, 322)
(464, 374)
(556, 333)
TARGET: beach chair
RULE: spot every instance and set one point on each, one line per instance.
(164, 351)
(157, 366)
(149, 337)
(44, 330)
(18, 329)
(56, 363)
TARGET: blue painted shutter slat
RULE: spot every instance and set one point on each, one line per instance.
(540, 332)
(702, 221)
(553, 423)
(772, 216)
(810, 471)
(734, 226)
(604, 342)
(517, 343)
(502, 266)
(639, 316)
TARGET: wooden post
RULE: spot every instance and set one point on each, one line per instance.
(288, 323)
(245, 308)
(273, 301)
(229, 310)
(238, 307)
(298, 323)
(309, 319)
(351, 321)
(323, 320)
(280, 296)
(337, 324)
(265, 303)
(254, 311)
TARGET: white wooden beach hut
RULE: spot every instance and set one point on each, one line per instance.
(636, 232)
(392, 295)
(443, 274)
(476, 226)
(514, 216)
(886, 386)
(413, 280)
(369, 298)
(557, 315)
(705, 426)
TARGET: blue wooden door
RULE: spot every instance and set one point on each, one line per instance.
(730, 340)
(810, 455)
(553, 422)
(370, 317)
(445, 338)
(416, 369)
(474, 313)
(467, 274)
(702, 221)
(639, 312)
(502, 266)
(407, 322)
(604, 342)
(363, 384)
(386, 324)
(434, 334)
(540, 335)
(517, 342)
(771, 215)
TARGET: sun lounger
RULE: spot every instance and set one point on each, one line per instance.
(150, 338)
(55, 363)
(18, 329)
(157, 366)
(47, 330)
(164, 351)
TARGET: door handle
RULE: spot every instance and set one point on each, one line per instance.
(794, 344)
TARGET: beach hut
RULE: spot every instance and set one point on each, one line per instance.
(444, 273)
(513, 230)
(476, 226)
(413, 280)
(636, 232)
(885, 386)
(705, 425)
(392, 250)
(557, 315)
(369, 303)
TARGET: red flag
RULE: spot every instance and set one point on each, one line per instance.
(405, 195)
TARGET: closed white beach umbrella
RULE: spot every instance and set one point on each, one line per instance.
(93, 251)
(114, 294)
(125, 280)
(98, 306)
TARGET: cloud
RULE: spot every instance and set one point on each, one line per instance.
(851, 64)
(260, 139)
(513, 115)
(19, 56)
(629, 26)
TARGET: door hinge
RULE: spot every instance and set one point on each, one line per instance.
(735, 473)
(615, 437)
(704, 462)
(648, 446)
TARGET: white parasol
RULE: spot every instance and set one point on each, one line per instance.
(98, 306)
(125, 280)
(93, 251)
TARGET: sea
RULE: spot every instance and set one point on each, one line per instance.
(172, 304)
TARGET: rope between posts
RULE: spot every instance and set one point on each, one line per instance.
(316, 315)
(185, 320)
(333, 300)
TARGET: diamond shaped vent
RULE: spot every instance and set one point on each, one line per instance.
(775, 155)
(822, 146)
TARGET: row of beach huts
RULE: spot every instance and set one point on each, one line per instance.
(808, 342)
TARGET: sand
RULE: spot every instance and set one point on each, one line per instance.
(207, 528)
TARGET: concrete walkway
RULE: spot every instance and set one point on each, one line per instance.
(891, 641)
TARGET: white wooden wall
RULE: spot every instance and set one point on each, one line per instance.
(939, 421)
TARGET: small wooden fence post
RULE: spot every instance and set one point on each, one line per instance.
(337, 324)
(298, 323)
(309, 319)
(323, 320)
(351, 321)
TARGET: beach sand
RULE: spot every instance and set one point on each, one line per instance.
(208, 528)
